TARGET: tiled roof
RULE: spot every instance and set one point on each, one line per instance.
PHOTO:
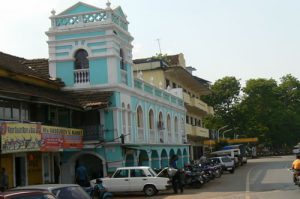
(27, 92)
(33, 68)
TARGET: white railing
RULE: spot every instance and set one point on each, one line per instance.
(161, 137)
(128, 135)
(140, 135)
(176, 138)
(81, 76)
(169, 137)
(152, 137)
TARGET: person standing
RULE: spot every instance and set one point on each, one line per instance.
(3, 180)
(81, 175)
(177, 182)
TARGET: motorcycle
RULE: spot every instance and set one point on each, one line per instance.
(296, 177)
(98, 193)
(193, 179)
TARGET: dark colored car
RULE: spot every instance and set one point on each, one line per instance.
(60, 191)
(27, 194)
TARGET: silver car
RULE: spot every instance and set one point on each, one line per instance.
(60, 191)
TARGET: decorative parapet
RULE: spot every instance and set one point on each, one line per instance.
(165, 95)
(101, 16)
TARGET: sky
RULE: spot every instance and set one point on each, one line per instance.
(242, 38)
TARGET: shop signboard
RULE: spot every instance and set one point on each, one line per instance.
(20, 137)
(59, 138)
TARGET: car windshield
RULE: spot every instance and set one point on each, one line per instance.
(70, 193)
(153, 173)
(226, 159)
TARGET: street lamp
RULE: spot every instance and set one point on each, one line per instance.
(218, 131)
(226, 132)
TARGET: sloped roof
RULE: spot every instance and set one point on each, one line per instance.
(35, 94)
(37, 68)
(79, 7)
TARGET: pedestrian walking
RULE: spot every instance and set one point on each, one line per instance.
(177, 181)
(3, 180)
(81, 175)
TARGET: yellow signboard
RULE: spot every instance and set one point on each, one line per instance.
(17, 137)
(231, 141)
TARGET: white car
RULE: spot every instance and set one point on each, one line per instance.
(135, 179)
(226, 162)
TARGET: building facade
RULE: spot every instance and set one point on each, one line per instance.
(90, 51)
(83, 105)
(172, 74)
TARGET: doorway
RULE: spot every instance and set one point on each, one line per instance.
(20, 171)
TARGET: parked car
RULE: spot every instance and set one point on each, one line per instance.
(60, 191)
(226, 162)
(135, 179)
(27, 194)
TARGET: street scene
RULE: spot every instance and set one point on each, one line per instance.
(149, 99)
(261, 178)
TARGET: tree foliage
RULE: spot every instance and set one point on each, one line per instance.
(266, 109)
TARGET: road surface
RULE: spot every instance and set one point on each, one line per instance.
(263, 178)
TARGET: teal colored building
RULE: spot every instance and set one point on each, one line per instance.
(90, 50)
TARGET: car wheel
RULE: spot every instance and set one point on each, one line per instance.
(232, 171)
(150, 190)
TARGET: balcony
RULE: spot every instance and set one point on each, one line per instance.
(199, 131)
(186, 98)
(81, 76)
(152, 137)
(199, 104)
(188, 129)
(93, 133)
(161, 137)
(140, 135)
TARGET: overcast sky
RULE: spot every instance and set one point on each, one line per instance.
(241, 38)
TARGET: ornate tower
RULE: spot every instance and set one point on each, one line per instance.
(90, 47)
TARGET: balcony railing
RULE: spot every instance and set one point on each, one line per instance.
(152, 136)
(169, 139)
(199, 104)
(161, 137)
(82, 76)
(128, 135)
(101, 16)
(93, 133)
(140, 135)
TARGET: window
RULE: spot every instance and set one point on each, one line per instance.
(151, 119)
(121, 174)
(122, 61)
(174, 85)
(137, 173)
(168, 123)
(139, 117)
(81, 59)
(187, 119)
(176, 124)
(167, 83)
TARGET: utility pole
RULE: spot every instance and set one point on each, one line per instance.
(158, 41)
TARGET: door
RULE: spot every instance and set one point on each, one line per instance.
(20, 170)
(119, 181)
(138, 179)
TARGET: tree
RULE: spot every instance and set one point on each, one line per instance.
(223, 98)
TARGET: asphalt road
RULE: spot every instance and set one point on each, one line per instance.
(263, 178)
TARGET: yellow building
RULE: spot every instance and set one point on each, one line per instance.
(172, 74)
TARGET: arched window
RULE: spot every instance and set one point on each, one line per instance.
(169, 123)
(176, 125)
(81, 60)
(122, 61)
(151, 119)
(160, 121)
(140, 117)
